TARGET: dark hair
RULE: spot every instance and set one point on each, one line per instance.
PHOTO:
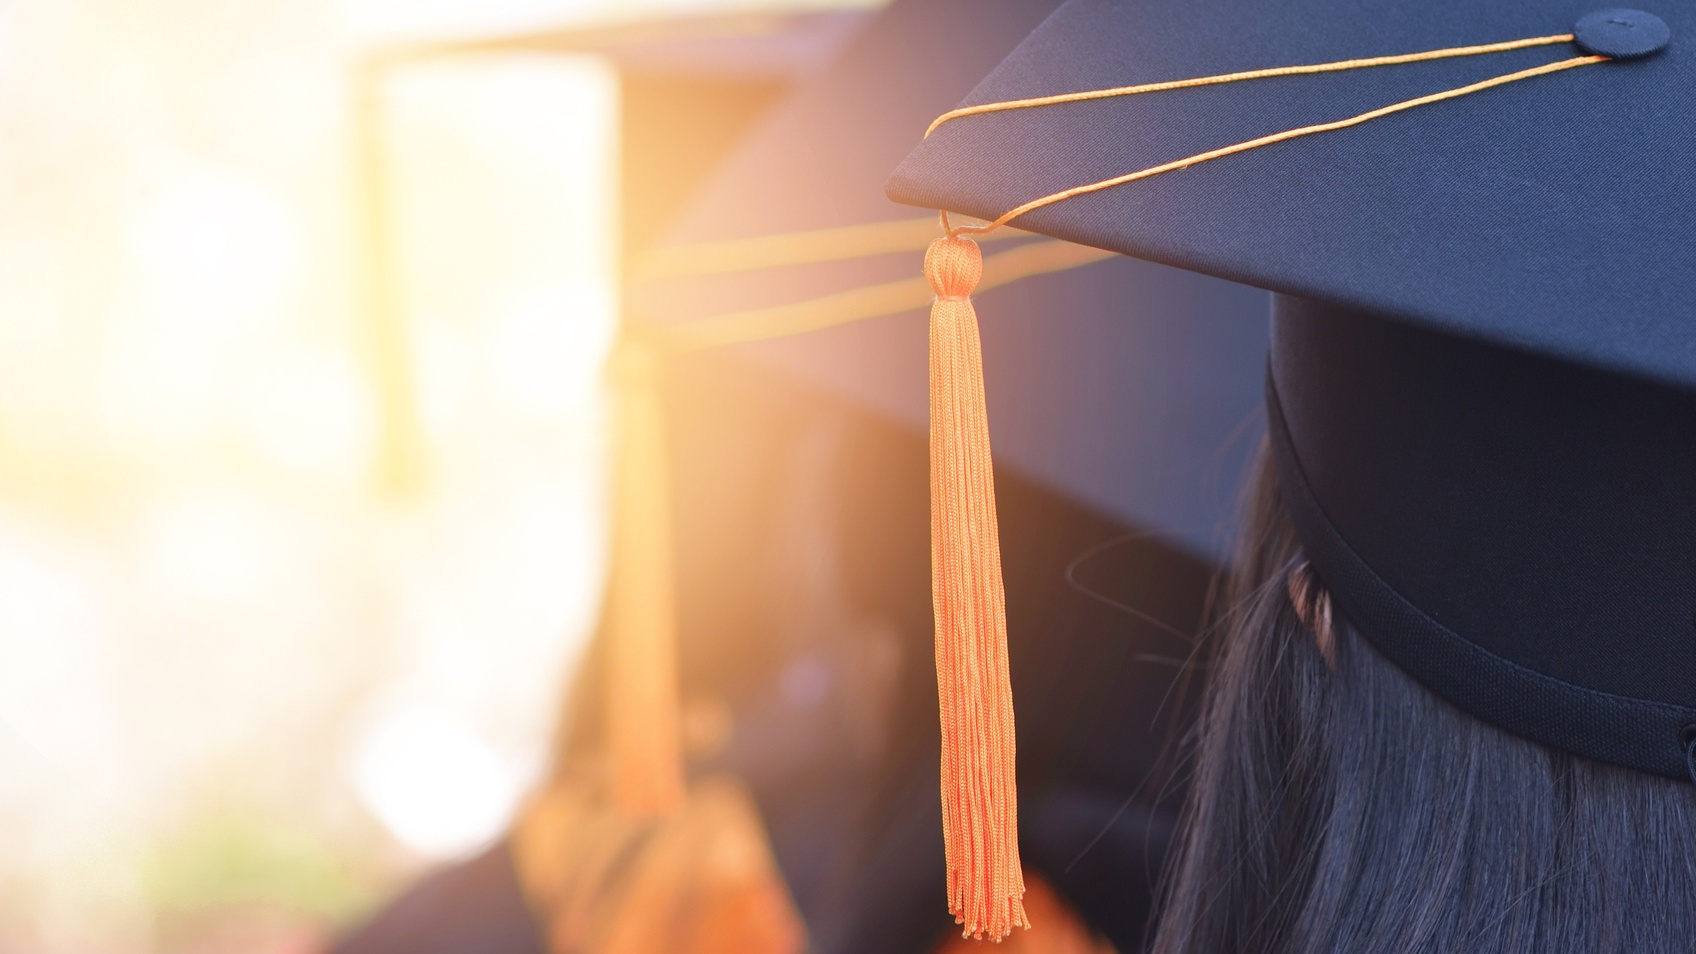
(1350, 810)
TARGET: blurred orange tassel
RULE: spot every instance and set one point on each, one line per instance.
(631, 862)
(641, 687)
(980, 807)
(701, 881)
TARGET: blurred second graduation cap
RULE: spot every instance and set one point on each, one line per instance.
(688, 88)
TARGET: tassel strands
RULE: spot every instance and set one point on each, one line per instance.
(642, 709)
(979, 801)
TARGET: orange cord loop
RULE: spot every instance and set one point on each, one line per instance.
(1188, 161)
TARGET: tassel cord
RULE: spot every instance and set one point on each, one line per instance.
(642, 706)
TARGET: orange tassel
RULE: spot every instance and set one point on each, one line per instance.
(700, 881)
(641, 688)
(980, 807)
(1063, 930)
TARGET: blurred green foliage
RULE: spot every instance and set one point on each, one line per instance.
(232, 865)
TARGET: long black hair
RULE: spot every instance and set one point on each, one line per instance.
(1338, 807)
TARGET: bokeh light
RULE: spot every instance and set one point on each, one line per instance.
(278, 626)
(244, 688)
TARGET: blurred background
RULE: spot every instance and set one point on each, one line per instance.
(301, 446)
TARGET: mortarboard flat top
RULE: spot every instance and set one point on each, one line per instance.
(1480, 385)
(1552, 214)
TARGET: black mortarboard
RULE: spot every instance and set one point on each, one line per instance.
(1481, 382)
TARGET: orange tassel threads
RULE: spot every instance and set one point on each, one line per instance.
(643, 723)
(980, 806)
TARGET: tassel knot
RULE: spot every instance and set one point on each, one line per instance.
(979, 802)
(954, 266)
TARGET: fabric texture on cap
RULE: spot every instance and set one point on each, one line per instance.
(1552, 214)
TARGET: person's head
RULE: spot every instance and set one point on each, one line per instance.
(1448, 709)
(1481, 392)
(1339, 806)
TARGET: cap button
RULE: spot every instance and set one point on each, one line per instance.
(1621, 34)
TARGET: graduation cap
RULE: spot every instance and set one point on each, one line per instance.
(689, 87)
(793, 235)
(1476, 220)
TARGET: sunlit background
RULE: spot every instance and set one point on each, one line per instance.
(269, 645)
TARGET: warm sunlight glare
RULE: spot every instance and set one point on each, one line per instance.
(246, 684)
